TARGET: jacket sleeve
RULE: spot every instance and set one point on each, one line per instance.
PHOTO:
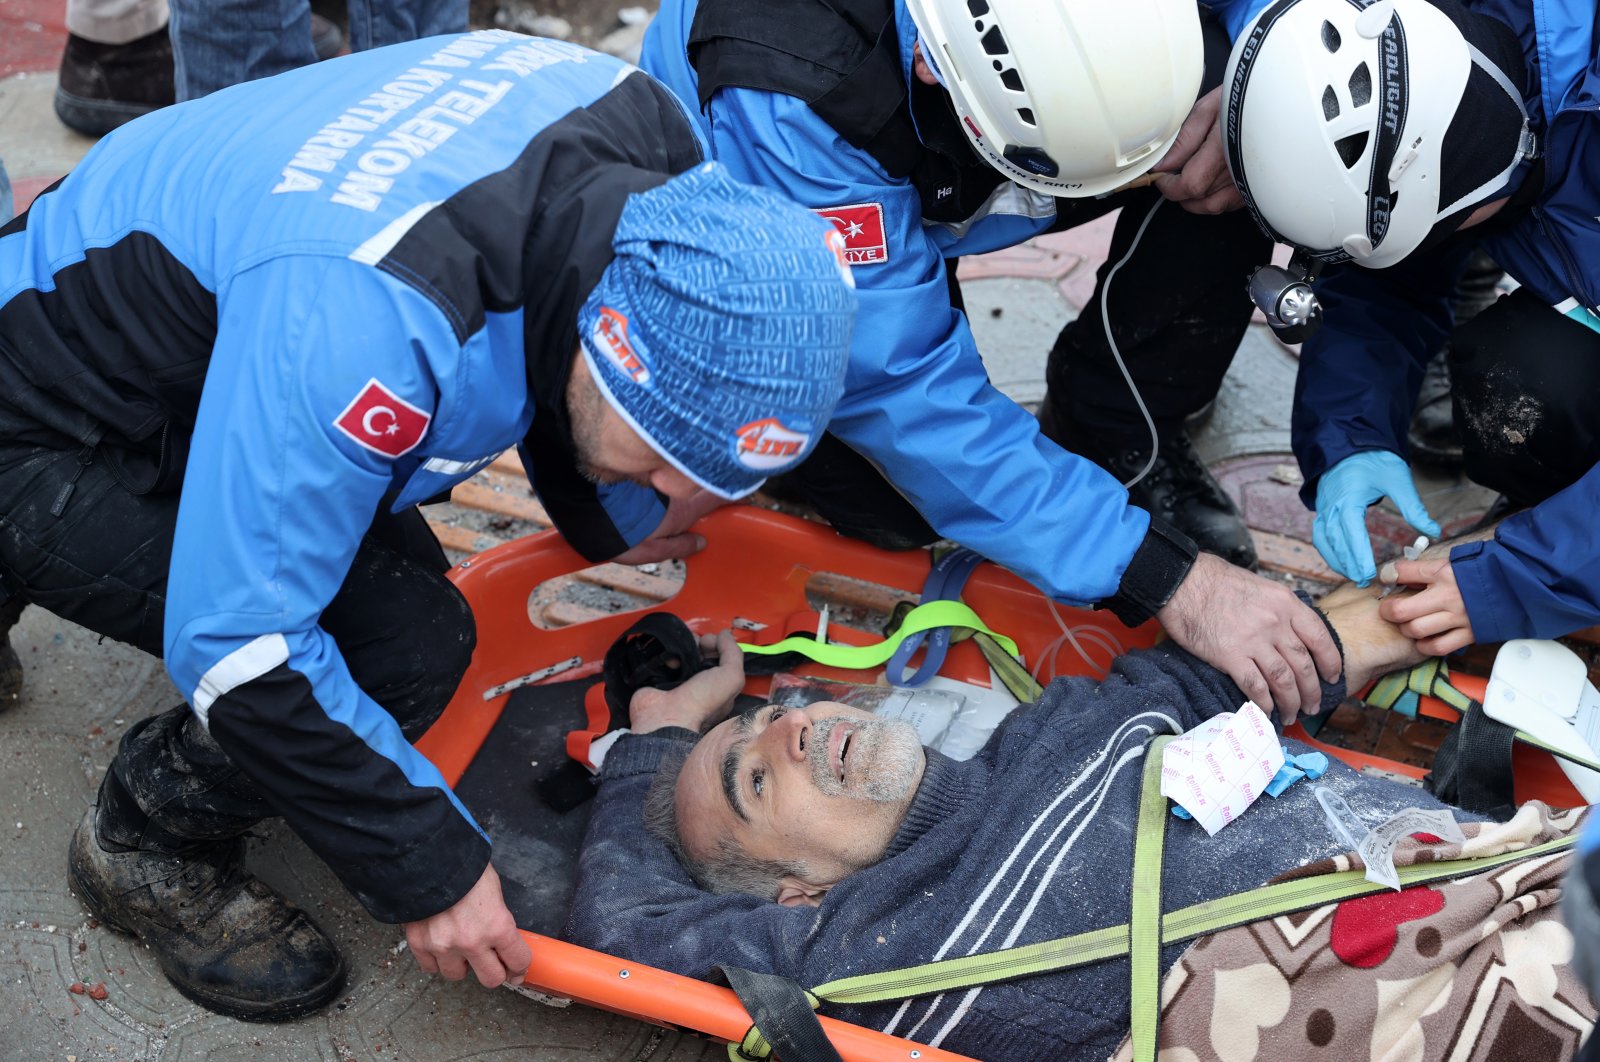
(1360, 373)
(633, 899)
(1235, 14)
(1540, 576)
(275, 502)
(918, 401)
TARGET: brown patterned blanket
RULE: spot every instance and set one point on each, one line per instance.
(1470, 969)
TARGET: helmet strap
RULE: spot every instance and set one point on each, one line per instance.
(1527, 143)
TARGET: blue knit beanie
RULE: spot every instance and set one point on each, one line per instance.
(721, 330)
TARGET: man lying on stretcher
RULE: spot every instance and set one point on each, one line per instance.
(821, 843)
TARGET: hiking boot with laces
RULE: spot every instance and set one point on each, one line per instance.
(1180, 490)
(223, 938)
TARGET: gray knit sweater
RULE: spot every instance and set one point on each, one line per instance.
(1029, 840)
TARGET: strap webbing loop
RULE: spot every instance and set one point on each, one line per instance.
(785, 1019)
(1144, 916)
(926, 617)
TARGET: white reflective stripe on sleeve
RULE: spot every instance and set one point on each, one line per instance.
(446, 467)
(238, 667)
(375, 249)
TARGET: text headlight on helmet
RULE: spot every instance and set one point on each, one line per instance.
(1067, 97)
(1335, 120)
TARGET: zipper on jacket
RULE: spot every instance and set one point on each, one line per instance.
(64, 495)
(1568, 266)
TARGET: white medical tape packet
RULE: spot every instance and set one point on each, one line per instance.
(1222, 766)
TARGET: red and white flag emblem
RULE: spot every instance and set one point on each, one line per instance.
(382, 421)
(861, 225)
(766, 445)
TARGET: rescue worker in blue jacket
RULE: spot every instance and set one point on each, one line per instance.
(930, 129)
(250, 333)
(1428, 128)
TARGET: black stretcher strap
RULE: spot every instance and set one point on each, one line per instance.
(1472, 768)
(783, 1016)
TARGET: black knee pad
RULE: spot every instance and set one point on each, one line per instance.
(405, 633)
(1526, 387)
(440, 652)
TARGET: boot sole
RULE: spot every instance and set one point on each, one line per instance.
(96, 117)
(306, 1004)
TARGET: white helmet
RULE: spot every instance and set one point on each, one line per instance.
(1067, 97)
(1337, 119)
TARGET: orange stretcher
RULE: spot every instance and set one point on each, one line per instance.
(753, 573)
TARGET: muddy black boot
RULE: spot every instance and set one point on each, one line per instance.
(1181, 490)
(103, 86)
(223, 938)
(1178, 489)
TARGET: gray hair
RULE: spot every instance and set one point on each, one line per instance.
(729, 869)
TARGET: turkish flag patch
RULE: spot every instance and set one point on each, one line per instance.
(861, 225)
(382, 421)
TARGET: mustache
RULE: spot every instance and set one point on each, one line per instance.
(879, 758)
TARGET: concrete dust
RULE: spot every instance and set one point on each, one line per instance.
(1506, 418)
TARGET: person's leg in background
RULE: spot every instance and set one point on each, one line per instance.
(375, 24)
(1178, 308)
(1432, 436)
(117, 64)
(161, 855)
(217, 43)
(1525, 378)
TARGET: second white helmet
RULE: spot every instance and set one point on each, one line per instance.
(1067, 97)
(1339, 115)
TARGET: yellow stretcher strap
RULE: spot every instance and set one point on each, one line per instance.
(1023, 686)
(925, 617)
(1431, 678)
(1144, 916)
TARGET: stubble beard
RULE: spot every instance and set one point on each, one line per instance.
(881, 762)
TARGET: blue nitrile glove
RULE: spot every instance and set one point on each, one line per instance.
(1345, 491)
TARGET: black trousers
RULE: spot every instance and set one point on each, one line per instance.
(1178, 310)
(404, 630)
(1526, 394)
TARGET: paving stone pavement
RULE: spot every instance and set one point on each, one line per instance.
(80, 696)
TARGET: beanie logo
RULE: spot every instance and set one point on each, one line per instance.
(765, 445)
(383, 422)
(861, 225)
(611, 339)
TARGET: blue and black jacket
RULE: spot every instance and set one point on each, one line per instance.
(819, 101)
(1359, 376)
(303, 298)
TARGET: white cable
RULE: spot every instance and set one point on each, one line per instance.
(1090, 633)
(1105, 320)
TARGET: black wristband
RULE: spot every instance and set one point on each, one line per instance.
(1154, 574)
(1333, 693)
